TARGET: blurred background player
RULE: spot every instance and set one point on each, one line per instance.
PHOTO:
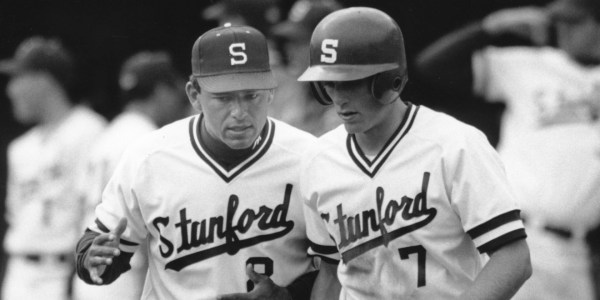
(153, 92)
(402, 201)
(260, 14)
(44, 210)
(549, 136)
(215, 195)
(294, 103)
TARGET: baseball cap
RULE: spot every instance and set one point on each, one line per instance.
(303, 18)
(574, 9)
(232, 58)
(260, 14)
(38, 54)
(144, 70)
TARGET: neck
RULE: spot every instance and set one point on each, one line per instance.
(219, 151)
(56, 110)
(372, 141)
(144, 109)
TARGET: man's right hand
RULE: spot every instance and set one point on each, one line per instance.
(103, 249)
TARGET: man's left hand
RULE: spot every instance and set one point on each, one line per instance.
(264, 289)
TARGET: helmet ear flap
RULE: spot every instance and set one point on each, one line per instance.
(319, 93)
(386, 86)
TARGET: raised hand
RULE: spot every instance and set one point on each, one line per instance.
(103, 249)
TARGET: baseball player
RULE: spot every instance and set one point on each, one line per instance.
(297, 106)
(549, 132)
(214, 195)
(401, 201)
(43, 207)
(153, 93)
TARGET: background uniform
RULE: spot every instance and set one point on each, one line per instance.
(550, 145)
(107, 151)
(44, 208)
(204, 223)
(409, 223)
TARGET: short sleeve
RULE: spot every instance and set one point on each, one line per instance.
(480, 194)
(119, 200)
(320, 242)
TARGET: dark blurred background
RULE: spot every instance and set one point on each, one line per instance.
(101, 34)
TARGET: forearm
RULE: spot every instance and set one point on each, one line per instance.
(327, 285)
(447, 62)
(506, 271)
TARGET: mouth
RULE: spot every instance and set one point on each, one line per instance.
(239, 128)
(347, 115)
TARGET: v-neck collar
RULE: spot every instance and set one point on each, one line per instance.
(265, 140)
(370, 167)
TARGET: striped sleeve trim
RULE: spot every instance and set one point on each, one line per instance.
(505, 239)
(327, 253)
(326, 259)
(101, 227)
(322, 249)
(513, 215)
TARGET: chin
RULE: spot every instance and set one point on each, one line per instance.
(239, 144)
(352, 128)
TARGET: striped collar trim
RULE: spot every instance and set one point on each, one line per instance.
(266, 139)
(371, 167)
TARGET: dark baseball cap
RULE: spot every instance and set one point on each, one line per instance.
(303, 18)
(574, 9)
(232, 58)
(39, 54)
(144, 70)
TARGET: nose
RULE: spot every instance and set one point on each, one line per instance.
(238, 108)
(338, 94)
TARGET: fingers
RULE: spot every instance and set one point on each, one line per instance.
(252, 275)
(104, 251)
(103, 239)
(121, 226)
(94, 275)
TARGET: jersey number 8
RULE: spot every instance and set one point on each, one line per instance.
(263, 262)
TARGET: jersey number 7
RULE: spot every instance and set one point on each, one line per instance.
(420, 251)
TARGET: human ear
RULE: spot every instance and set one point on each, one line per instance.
(193, 94)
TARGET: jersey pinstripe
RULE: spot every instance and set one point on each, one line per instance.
(44, 207)
(204, 222)
(411, 222)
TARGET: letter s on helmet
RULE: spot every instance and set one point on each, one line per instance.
(356, 43)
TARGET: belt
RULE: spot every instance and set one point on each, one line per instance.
(559, 231)
(39, 258)
(562, 232)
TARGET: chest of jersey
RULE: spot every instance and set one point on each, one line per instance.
(194, 215)
(406, 199)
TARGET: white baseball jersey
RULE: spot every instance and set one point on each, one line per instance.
(409, 223)
(549, 138)
(124, 129)
(44, 209)
(205, 223)
(551, 147)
